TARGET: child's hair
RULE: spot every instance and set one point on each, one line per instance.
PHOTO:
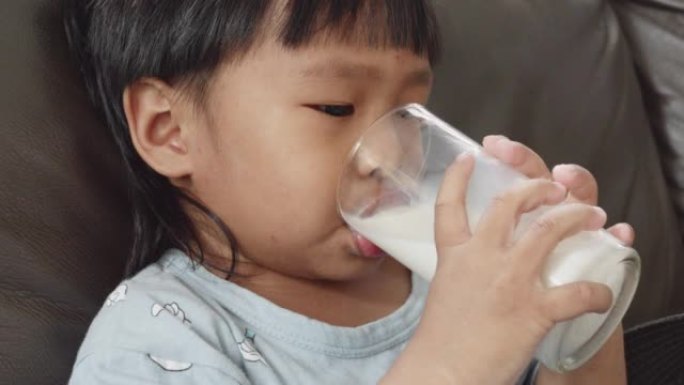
(117, 42)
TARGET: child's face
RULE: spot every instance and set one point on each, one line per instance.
(279, 125)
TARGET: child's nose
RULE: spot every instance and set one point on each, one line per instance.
(385, 166)
(380, 153)
(367, 165)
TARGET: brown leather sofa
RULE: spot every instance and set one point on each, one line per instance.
(559, 76)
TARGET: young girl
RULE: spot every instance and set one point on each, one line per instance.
(234, 118)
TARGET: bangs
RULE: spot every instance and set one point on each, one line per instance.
(403, 24)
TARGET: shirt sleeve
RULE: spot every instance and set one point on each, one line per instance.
(123, 367)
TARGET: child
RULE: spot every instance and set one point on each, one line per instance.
(234, 118)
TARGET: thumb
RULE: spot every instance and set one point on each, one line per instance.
(451, 218)
(569, 301)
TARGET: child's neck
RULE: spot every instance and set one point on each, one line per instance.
(348, 304)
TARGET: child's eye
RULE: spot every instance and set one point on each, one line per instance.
(338, 111)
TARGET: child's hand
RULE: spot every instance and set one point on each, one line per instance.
(607, 366)
(487, 301)
(487, 309)
(581, 185)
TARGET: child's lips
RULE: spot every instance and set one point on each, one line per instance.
(367, 248)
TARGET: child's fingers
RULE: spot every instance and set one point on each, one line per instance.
(499, 220)
(516, 155)
(451, 218)
(560, 222)
(623, 232)
(580, 182)
(565, 302)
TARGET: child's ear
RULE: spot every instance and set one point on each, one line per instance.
(155, 129)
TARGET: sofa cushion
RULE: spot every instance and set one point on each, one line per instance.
(63, 209)
(558, 76)
(655, 32)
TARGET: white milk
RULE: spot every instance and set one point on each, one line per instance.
(587, 256)
(407, 234)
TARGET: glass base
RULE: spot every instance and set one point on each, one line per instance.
(550, 352)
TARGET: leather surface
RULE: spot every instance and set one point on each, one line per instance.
(558, 76)
(654, 352)
(63, 210)
(655, 31)
(555, 75)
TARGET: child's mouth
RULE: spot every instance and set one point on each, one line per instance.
(367, 248)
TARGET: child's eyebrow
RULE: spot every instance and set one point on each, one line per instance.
(341, 69)
(345, 70)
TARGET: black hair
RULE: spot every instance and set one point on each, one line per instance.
(116, 42)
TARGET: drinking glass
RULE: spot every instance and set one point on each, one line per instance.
(387, 193)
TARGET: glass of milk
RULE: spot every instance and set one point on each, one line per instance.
(387, 193)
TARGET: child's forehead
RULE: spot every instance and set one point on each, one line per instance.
(338, 60)
(333, 65)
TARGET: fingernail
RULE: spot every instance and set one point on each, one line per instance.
(600, 218)
(622, 233)
(558, 193)
(491, 140)
(465, 160)
(566, 168)
(494, 138)
(502, 142)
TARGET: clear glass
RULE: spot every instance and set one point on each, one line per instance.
(387, 193)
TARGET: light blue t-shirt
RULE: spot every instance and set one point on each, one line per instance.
(176, 323)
